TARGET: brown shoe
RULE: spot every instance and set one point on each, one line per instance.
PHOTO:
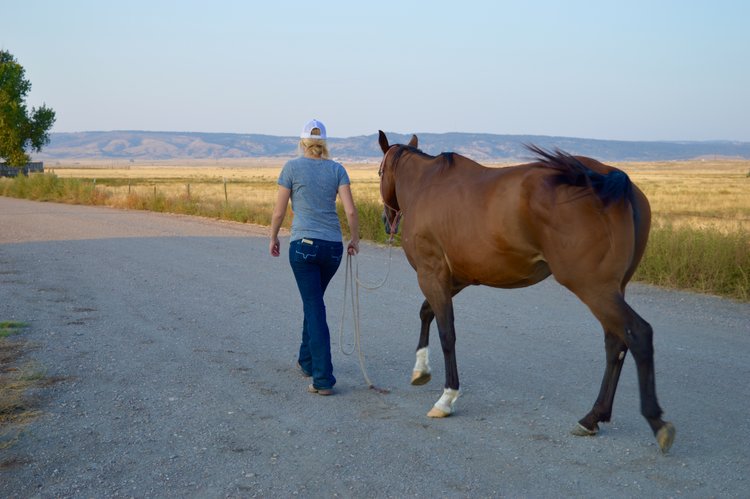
(320, 391)
(304, 373)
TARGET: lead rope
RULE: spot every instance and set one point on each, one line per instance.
(352, 283)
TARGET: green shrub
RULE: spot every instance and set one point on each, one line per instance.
(49, 187)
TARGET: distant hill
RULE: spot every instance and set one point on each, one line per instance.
(143, 145)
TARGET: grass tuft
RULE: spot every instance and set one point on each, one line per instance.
(17, 378)
(8, 328)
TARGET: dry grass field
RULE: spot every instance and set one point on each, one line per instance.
(700, 193)
(252, 183)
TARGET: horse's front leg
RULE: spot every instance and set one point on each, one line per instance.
(444, 406)
(421, 373)
(439, 297)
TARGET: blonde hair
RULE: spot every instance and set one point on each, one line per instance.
(317, 148)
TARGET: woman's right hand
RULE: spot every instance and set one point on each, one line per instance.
(273, 246)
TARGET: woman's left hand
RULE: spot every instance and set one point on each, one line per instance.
(353, 248)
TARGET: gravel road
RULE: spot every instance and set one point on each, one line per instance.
(176, 338)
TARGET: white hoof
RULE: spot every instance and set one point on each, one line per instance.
(444, 406)
(421, 373)
(437, 413)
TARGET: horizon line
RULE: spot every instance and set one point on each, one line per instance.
(675, 141)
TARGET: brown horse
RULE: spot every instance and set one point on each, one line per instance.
(576, 218)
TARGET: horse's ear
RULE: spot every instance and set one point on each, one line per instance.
(413, 141)
(383, 141)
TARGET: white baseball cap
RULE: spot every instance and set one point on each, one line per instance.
(312, 124)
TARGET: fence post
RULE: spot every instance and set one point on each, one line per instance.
(226, 196)
(188, 191)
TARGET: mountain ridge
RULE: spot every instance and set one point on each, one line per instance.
(150, 145)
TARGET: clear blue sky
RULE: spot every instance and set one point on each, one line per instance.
(628, 70)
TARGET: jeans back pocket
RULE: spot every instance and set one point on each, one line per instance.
(336, 254)
(304, 252)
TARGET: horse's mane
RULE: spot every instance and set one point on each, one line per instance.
(447, 157)
(612, 187)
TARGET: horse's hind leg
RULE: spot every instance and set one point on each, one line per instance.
(602, 410)
(626, 330)
(421, 373)
(639, 338)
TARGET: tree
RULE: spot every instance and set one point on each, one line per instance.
(19, 129)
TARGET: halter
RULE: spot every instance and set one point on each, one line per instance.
(393, 226)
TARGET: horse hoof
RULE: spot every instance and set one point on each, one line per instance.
(420, 377)
(581, 431)
(437, 413)
(665, 437)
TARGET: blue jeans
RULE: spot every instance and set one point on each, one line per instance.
(314, 265)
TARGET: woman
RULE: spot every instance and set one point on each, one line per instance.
(312, 181)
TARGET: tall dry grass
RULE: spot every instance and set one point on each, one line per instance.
(696, 194)
(700, 238)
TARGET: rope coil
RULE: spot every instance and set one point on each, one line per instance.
(352, 283)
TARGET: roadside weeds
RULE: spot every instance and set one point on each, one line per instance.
(18, 378)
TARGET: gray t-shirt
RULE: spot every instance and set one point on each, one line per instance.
(314, 184)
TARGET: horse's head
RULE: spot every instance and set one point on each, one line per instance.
(387, 173)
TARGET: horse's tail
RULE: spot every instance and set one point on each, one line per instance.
(611, 187)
